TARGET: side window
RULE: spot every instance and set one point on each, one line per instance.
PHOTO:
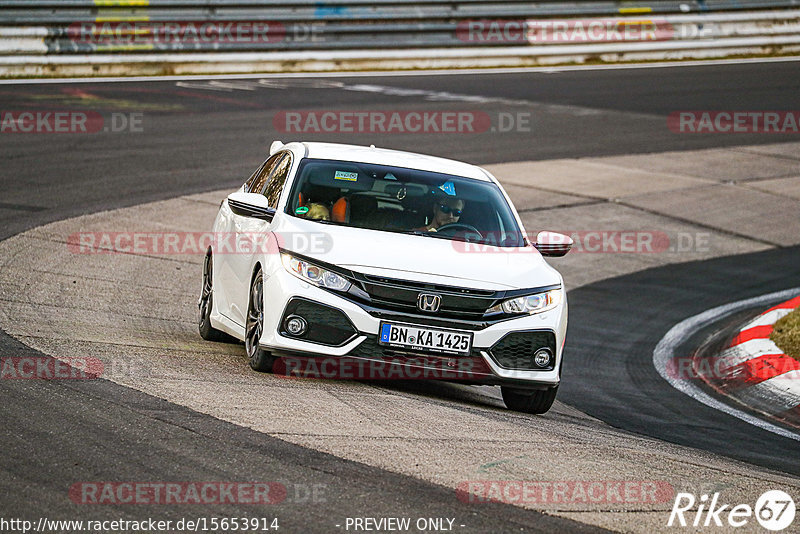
(256, 182)
(277, 180)
(249, 183)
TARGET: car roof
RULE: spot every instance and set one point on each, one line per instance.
(394, 158)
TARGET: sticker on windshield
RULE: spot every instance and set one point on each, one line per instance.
(390, 176)
(302, 210)
(344, 175)
(449, 188)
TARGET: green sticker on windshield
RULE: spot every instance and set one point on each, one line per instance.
(344, 175)
(302, 210)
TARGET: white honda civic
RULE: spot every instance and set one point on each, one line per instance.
(361, 262)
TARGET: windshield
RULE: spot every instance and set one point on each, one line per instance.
(397, 199)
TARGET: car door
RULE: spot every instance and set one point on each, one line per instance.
(252, 234)
(227, 264)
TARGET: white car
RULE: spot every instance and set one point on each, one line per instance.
(391, 260)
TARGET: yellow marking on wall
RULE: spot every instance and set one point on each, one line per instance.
(126, 3)
(103, 31)
(125, 48)
(636, 10)
(116, 15)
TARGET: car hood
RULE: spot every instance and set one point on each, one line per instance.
(417, 258)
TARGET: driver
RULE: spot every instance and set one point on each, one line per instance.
(446, 210)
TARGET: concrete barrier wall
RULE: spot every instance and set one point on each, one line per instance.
(52, 37)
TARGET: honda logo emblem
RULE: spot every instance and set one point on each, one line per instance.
(429, 302)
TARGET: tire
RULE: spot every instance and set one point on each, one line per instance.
(259, 359)
(208, 332)
(536, 401)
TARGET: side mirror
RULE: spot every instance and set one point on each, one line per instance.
(553, 244)
(275, 146)
(251, 205)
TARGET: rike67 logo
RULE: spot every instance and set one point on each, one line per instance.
(774, 510)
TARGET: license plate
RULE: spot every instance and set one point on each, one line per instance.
(425, 339)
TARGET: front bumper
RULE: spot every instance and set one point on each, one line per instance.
(281, 289)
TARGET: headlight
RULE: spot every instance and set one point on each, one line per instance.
(537, 303)
(313, 274)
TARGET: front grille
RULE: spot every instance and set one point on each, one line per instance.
(326, 325)
(401, 295)
(515, 350)
(420, 286)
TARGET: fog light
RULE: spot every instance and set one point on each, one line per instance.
(296, 325)
(542, 357)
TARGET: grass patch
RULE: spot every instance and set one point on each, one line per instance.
(786, 334)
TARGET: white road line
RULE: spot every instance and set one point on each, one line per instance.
(205, 86)
(665, 351)
(441, 72)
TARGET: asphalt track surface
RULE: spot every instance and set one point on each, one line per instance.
(56, 433)
(614, 322)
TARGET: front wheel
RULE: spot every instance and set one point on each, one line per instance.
(208, 332)
(535, 401)
(260, 360)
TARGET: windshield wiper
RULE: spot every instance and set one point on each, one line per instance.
(421, 233)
